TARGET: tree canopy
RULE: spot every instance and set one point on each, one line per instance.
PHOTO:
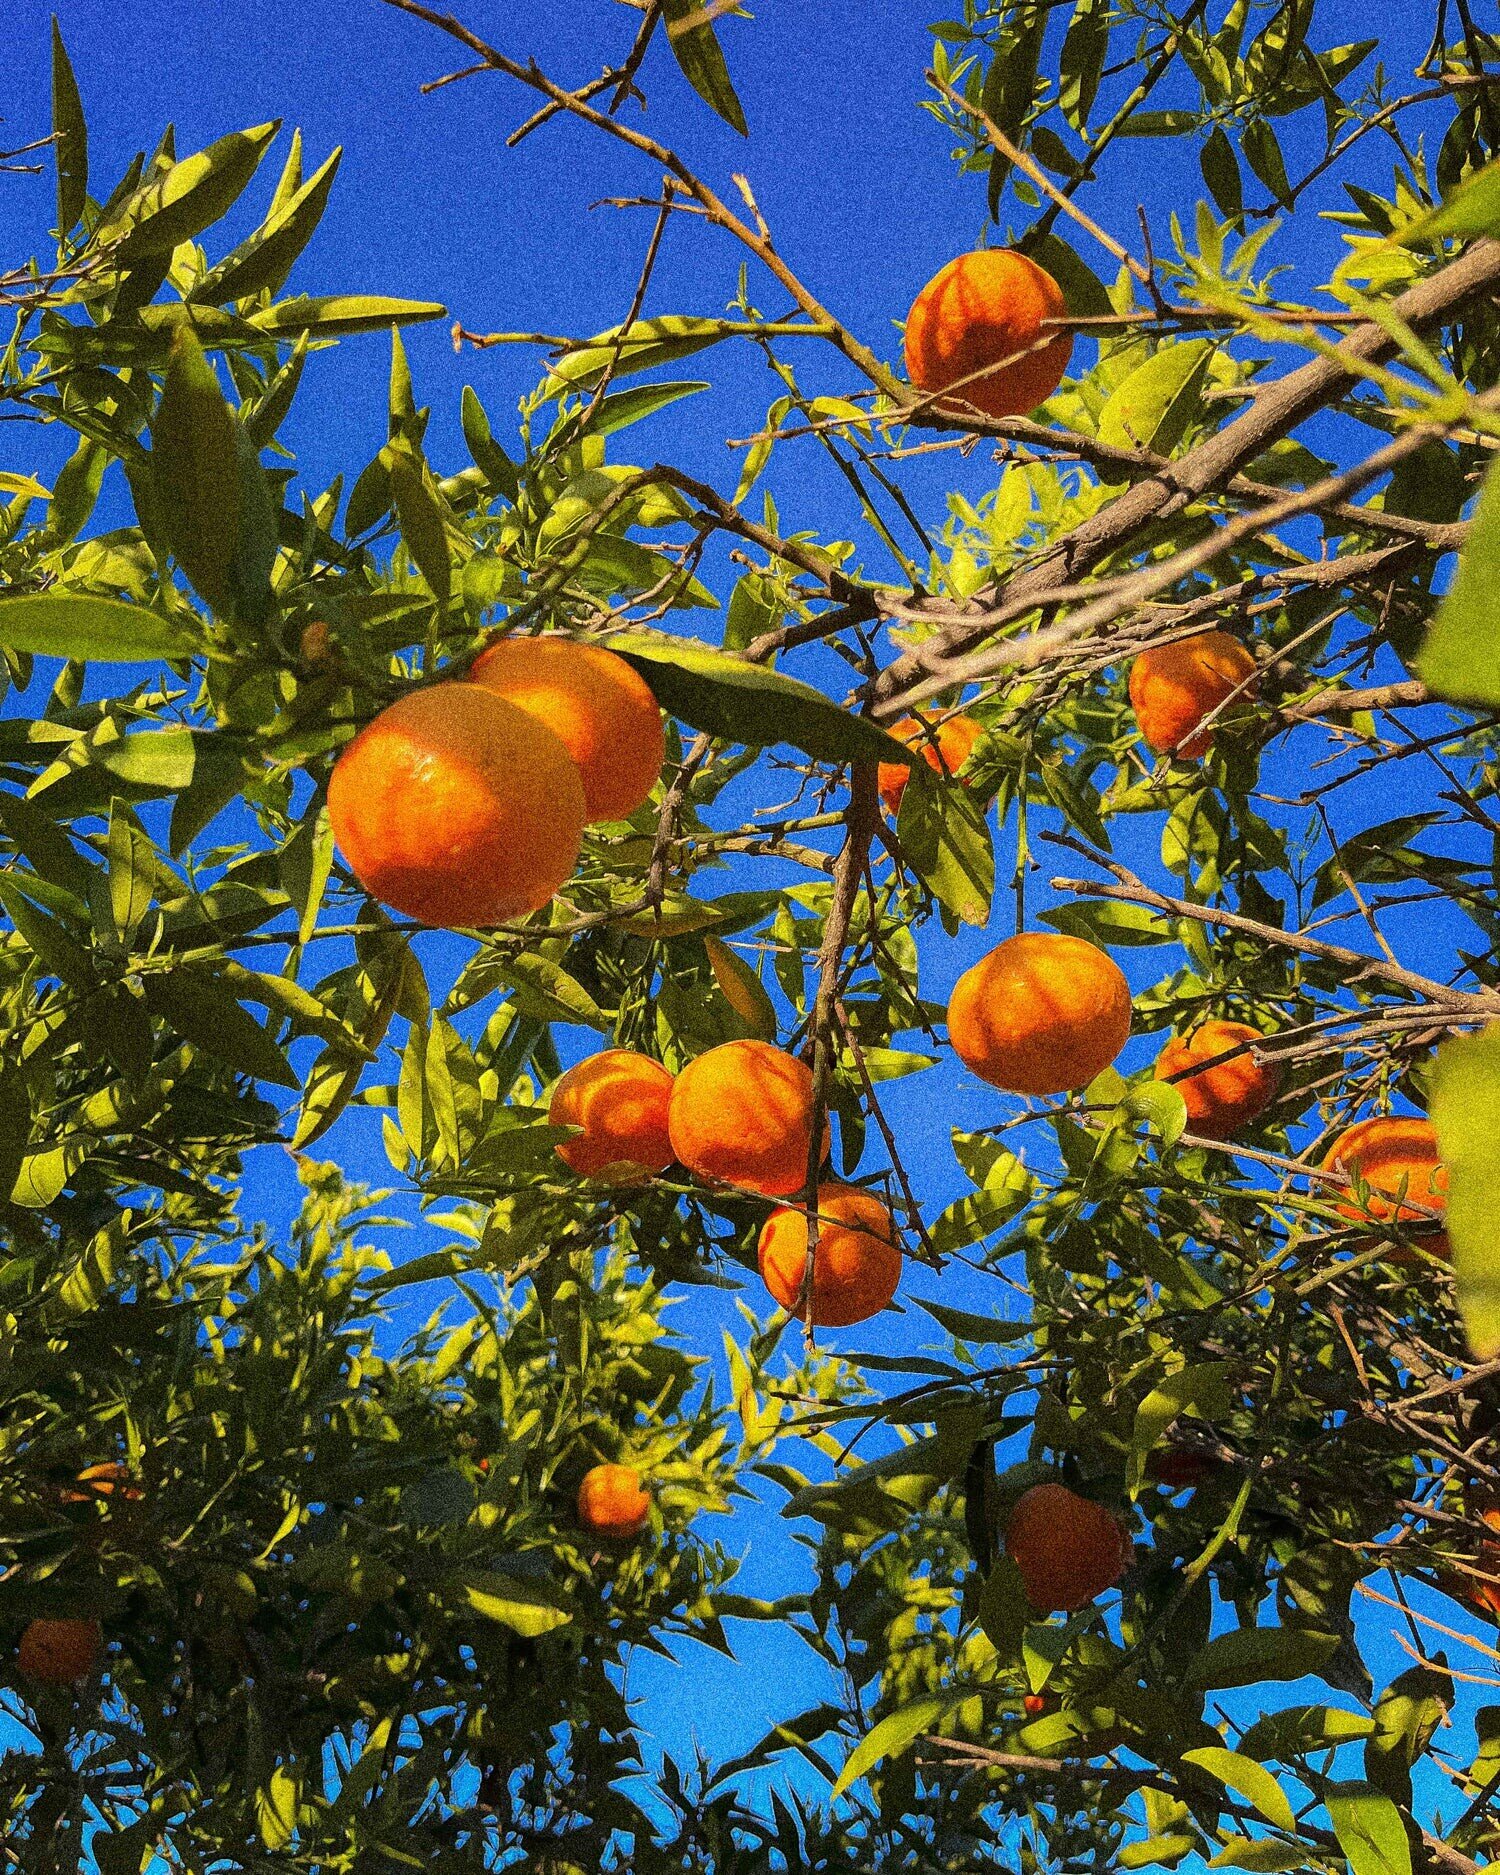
(349, 1615)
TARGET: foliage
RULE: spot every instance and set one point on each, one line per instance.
(350, 1618)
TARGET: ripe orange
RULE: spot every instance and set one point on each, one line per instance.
(104, 1480)
(1033, 1705)
(1068, 1549)
(984, 312)
(56, 1653)
(1223, 1096)
(742, 1115)
(457, 808)
(1396, 1156)
(1041, 1014)
(620, 1100)
(1486, 1595)
(856, 1266)
(598, 707)
(611, 1502)
(1173, 687)
(945, 748)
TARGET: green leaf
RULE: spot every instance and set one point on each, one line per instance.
(195, 472)
(70, 148)
(1250, 1655)
(1221, 171)
(1154, 406)
(1465, 1108)
(498, 469)
(1253, 1782)
(90, 630)
(1160, 1104)
(750, 704)
(1260, 1855)
(196, 1003)
(742, 989)
(1009, 90)
(163, 759)
(1407, 1714)
(512, 1603)
(262, 262)
(44, 936)
(978, 1330)
(895, 1733)
(132, 870)
(1081, 63)
(1200, 1389)
(621, 408)
(1103, 922)
(419, 511)
(342, 315)
(647, 343)
(276, 1804)
(1472, 209)
(1460, 658)
(1297, 1730)
(1263, 154)
(189, 197)
(1370, 1830)
(696, 50)
(944, 833)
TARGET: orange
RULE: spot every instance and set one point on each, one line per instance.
(1041, 1014)
(983, 312)
(56, 1653)
(856, 1265)
(620, 1099)
(102, 1481)
(1173, 687)
(457, 808)
(1486, 1595)
(1396, 1156)
(1221, 1096)
(611, 1502)
(598, 707)
(1068, 1549)
(945, 748)
(742, 1115)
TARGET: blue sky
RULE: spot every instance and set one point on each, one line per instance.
(865, 203)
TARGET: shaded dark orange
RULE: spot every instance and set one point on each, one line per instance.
(856, 1267)
(58, 1652)
(620, 1100)
(1068, 1549)
(1221, 1096)
(945, 747)
(1174, 687)
(600, 709)
(741, 1114)
(611, 1502)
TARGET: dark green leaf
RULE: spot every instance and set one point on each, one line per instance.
(945, 836)
(1249, 1655)
(70, 149)
(1460, 658)
(696, 50)
(195, 472)
(189, 197)
(199, 1007)
(750, 704)
(1465, 1108)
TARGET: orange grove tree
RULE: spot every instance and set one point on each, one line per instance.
(1164, 1527)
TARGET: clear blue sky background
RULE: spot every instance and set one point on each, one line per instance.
(857, 184)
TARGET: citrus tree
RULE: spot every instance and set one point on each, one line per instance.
(1193, 1393)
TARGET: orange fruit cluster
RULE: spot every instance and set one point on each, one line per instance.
(619, 1099)
(978, 329)
(1222, 1085)
(465, 803)
(1174, 688)
(612, 1503)
(1068, 1549)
